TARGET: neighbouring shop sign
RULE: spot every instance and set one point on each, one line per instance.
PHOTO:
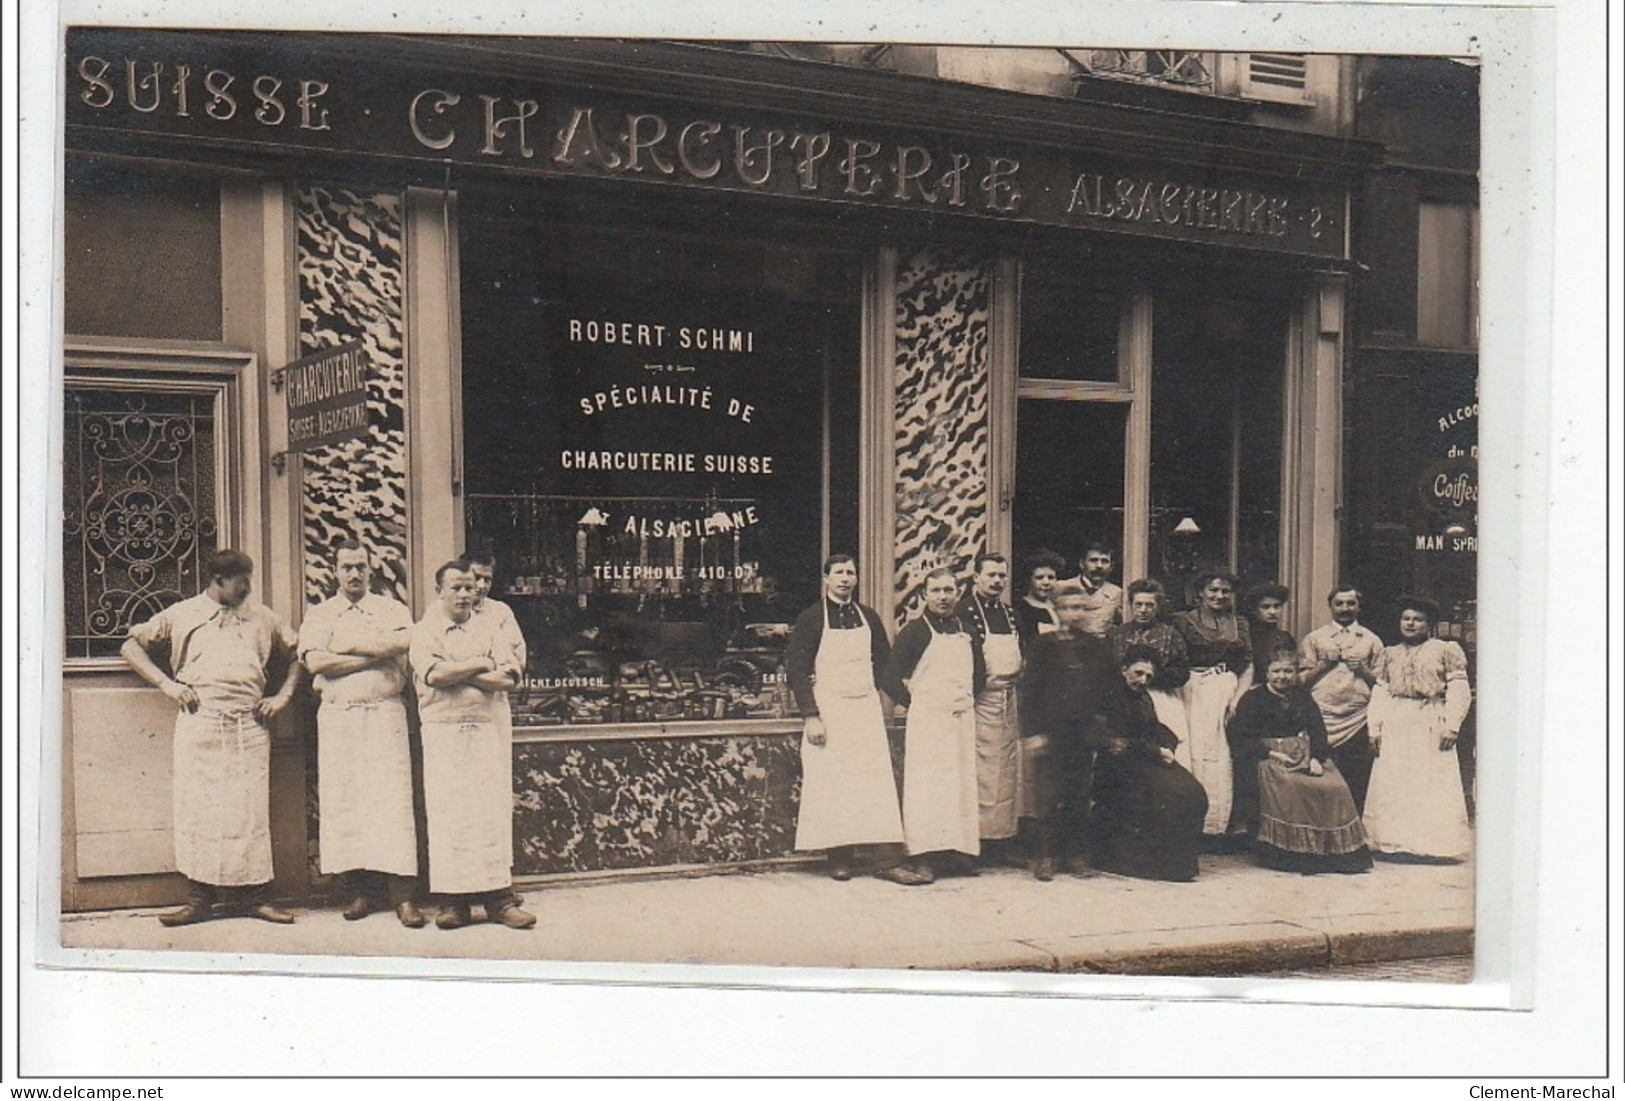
(326, 395)
(1447, 491)
(217, 92)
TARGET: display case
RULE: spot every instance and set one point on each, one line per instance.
(626, 626)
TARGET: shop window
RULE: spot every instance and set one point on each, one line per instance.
(660, 447)
(1447, 275)
(1069, 330)
(140, 508)
(142, 253)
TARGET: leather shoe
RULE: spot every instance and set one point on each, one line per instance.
(454, 916)
(1080, 867)
(514, 918)
(360, 906)
(410, 915)
(274, 914)
(840, 871)
(905, 876)
(190, 914)
(1044, 868)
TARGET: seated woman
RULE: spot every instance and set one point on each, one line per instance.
(1415, 806)
(1306, 817)
(1147, 600)
(1147, 816)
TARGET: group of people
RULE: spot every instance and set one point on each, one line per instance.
(1108, 736)
(217, 654)
(1080, 727)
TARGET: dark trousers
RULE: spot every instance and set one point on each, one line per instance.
(493, 901)
(380, 886)
(1061, 827)
(1353, 757)
(199, 893)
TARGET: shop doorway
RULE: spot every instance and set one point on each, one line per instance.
(1218, 384)
(1153, 422)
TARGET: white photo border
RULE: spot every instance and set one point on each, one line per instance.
(1541, 913)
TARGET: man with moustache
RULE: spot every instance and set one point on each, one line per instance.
(1338, 664)
(355, 647)
(1102, 600)
(997, 642)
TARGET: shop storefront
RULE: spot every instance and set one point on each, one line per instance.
(659, 327)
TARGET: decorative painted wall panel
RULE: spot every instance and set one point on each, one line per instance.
(583, 806)
(632, 804)
(942, 310)
(350, 288)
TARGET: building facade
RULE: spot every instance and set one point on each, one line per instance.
(661, 325)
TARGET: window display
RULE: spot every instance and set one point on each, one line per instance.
(660, 442)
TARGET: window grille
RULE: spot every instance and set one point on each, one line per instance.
(140, 514)
(1186, 70)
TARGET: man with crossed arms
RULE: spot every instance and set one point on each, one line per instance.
(355, 647)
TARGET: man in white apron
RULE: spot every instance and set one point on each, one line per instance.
(935, 659)
(837, 661)
(355, 646)
(460, 667)
(1338, 663)
(504, 624)
(221, 645)
(997, 640)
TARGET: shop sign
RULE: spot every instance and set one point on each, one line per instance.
(326, 395)
(1447, 491)
(207, 91)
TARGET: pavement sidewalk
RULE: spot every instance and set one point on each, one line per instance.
(1236, 918)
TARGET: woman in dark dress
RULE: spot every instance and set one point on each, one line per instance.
(1035, 612)
(1265, 605)
(1307, 821)
(1147, 600)
(1147, 816)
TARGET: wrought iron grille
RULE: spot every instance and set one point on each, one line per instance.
(1184, 69)
(139, 512)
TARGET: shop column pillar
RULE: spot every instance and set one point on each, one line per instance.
(1312, 470)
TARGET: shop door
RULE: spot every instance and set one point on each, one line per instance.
(1217, 398)
(1082, 403)
(1153, 423)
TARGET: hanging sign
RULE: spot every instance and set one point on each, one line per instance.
(327, 397)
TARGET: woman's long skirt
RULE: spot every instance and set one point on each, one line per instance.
(1307, 823)
(1147, 819)
(1415, 804)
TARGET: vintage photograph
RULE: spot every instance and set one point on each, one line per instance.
(845, 505)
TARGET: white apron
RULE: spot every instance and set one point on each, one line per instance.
(848, 792)
(998, 733)
(364, 788)
(1171, 712)
(1415, 802)
(940, 750)
(1206, 752)
(222, 793)
(468, 799)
